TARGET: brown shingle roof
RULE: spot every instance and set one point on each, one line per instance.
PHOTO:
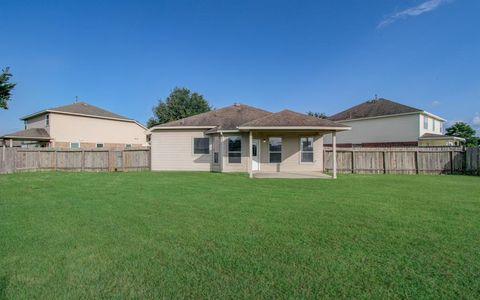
(374, 108)
(81, 108)
(31, 133)
(288, 118)
(227, 118)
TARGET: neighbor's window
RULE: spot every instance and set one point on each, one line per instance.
(99, 145)
(74, 145)
(201, 145)
(128, 146)
(425, 122)
(275, 147)
(25, 124)
(47, 120)
(433, 124)
(441, 127)
(235, 149)
(306, 149)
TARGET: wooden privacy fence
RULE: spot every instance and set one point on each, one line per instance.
(18, 159)
(408, 160)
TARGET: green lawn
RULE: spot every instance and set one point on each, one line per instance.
(206, 235)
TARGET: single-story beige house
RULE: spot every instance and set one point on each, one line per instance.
(78, 125)
(241, 138)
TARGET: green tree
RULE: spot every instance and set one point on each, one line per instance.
(181, 103)
(463, 130)
(6, 88)
(317, 115)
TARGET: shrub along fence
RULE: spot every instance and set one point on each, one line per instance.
(18, 159)
(408, 160)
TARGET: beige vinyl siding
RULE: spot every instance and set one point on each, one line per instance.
(38, 122)
(173, 151)
(290, 152)
(430, 129)
(69, 128)
(380, 130)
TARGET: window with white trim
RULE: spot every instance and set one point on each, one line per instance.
(235, 150)
(425, 122)
(47, 120)
(275, 149)
(74, 145)
(433, 124)
(128, 146)
(99, 145)
(201, 145)
(306, 149)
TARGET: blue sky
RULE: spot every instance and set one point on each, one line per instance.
(323, 56)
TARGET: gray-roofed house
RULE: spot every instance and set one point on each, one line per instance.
(241, 138)
(77, 125)
(385, 123)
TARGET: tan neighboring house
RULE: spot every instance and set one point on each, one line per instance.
(385, 123)
(241, 138)
(78, 125)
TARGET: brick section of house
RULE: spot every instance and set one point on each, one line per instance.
(376, 145)
(85, 145)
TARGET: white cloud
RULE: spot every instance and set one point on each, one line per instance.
(435, 103)
(413, 11)
(476, 120)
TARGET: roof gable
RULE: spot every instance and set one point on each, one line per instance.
(288, 118)
(227, 118)
(81, 108)
(374, 108)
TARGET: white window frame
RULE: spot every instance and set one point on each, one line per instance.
(281, 151)
(128, 145)
(302, 151)
(79, 145)
(193, 145)
(47, 120)
(425, 122)
(96, 145)
(228, 149)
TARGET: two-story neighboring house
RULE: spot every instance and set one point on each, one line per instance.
(78, 125)
(385, 123)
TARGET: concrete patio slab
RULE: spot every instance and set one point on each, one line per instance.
(292, 175)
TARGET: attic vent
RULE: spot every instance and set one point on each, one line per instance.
(236, 104)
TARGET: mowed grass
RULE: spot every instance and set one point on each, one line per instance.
(206, 235)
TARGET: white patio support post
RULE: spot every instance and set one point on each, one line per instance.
(11, 143)
(250, 155)
(334, 151)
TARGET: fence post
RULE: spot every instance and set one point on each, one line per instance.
(353, 162)
(452, 164)
(83, 160)
(38, 160)
(124, 160)
(417, 168)
(478, 161)
(384, 162)
(55, 160)
(14, 159)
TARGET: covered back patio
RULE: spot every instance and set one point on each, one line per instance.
(289, 145)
